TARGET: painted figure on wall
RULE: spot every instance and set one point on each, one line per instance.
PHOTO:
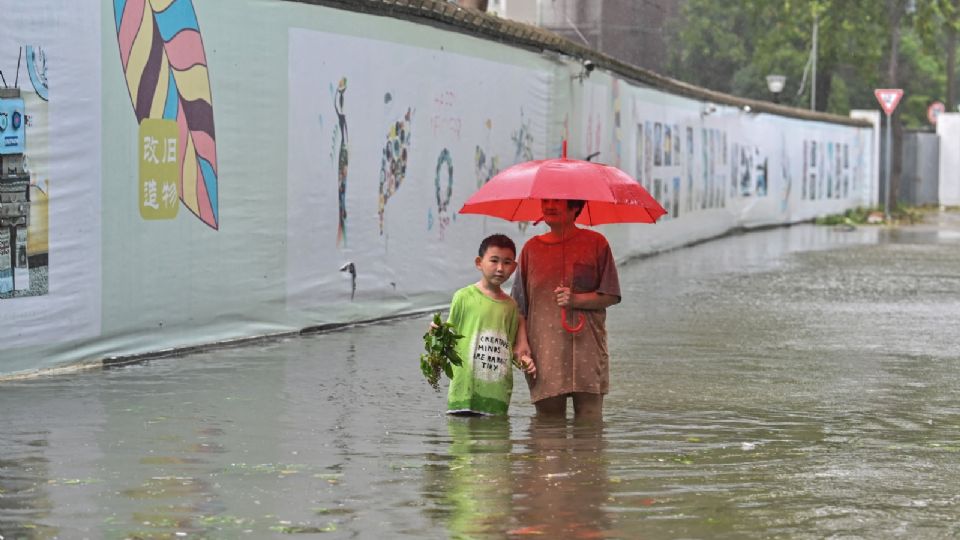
(689, 169)
(846, 171)
(37, 69)
(617, 131)
(522, 141)
(746, 171)
(657, 144)
(343, 160)
(786, 174)
(443, 183)
(828, 160)
(760, 177)
(486, 167)
(393, 163)
(638, 154)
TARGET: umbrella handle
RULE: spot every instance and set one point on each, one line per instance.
(566, 326)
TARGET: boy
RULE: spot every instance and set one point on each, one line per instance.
(490, 322)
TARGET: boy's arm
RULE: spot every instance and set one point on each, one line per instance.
(521, 347)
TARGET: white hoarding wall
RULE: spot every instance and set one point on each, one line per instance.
(948, 128)
(192, 184)
(380, 160)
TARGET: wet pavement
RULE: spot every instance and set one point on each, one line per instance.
(798, 382)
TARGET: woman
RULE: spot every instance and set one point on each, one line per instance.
(572, 268)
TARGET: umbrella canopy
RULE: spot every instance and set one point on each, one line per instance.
(611, 195)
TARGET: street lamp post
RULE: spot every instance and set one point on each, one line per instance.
(775, 85)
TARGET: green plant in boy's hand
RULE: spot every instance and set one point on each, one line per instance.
(440, 342)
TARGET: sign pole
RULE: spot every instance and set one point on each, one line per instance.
(886, 176)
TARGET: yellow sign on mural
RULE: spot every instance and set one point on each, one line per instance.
(159, 174)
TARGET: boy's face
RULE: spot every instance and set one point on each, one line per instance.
(497, 265)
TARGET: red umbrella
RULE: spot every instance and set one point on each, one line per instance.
(611, 195)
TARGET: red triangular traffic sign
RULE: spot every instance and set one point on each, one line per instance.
(889, 98)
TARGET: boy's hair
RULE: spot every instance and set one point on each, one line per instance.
(497, 240)
(576, 203)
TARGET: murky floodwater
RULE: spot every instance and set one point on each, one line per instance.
(794, 383)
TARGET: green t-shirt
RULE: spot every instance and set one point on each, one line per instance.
(484, 382)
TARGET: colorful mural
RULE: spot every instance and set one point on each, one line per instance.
(443, 184)
(37, 69)
(393, 162)
(165, 65)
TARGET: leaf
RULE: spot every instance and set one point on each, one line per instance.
(455, 359)
(165, 67)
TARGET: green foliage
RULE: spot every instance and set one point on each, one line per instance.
(440, 344)
(732, 46)
(854, 216)
(860, 215)
(909, 214)
(839, 101)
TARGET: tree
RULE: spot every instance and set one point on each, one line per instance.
(938, 25)
(731, 47)
(714, 43)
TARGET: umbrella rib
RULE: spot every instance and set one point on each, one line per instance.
(516, 210)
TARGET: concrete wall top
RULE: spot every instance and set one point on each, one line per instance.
(453, 17)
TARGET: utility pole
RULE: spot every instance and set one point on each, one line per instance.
(813, 55)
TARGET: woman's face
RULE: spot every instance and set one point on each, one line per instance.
(557, 212)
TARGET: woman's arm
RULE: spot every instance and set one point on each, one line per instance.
(608, 281)
(588, 301)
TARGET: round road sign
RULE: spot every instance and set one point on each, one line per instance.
(934, 110)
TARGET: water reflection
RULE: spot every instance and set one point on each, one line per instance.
(562, 485)
(478, 486)
(552, 482)
(24, 473)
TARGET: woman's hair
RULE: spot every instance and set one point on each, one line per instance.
(578, 204)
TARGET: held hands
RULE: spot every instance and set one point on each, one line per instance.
(526, 364)
(564, 296)
(522, 359)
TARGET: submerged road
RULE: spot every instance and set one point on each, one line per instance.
(798, 382)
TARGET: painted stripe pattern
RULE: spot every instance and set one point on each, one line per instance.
(165, 66)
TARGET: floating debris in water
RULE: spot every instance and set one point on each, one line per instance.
(288, 528)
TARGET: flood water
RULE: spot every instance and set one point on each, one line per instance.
(799, 382)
